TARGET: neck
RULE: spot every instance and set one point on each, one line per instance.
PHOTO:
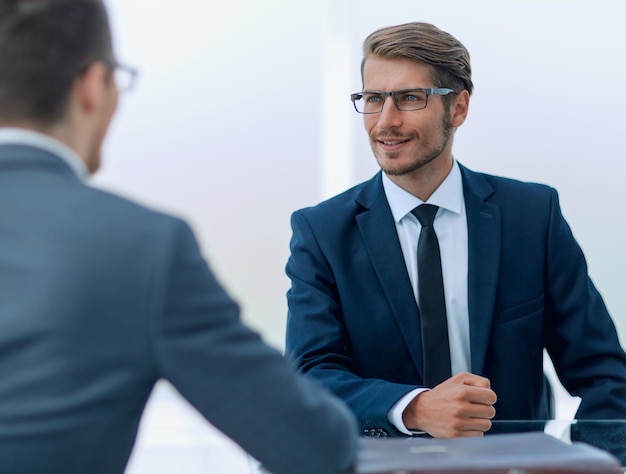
(57, 131)
(63, 131)
(424, 181)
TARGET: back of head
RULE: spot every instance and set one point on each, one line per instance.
(424, 43)
(44, 45)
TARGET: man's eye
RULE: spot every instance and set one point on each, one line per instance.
(373, 99)
(411, 98)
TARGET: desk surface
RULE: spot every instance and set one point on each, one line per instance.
(503, 453)
(608, 435)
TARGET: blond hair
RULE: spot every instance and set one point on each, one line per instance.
(424, 43)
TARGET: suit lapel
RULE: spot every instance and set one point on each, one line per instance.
(484, 244)
(379, 235)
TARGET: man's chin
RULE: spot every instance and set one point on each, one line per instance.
(395, 168)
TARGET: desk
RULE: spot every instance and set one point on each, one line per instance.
(510, 447)
(532, 452)
(608, 435)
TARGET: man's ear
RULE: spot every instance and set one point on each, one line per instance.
(92, 87)
(460, 107)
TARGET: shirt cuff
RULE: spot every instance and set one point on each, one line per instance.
(394, 416)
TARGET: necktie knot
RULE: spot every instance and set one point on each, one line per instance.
(425, 213)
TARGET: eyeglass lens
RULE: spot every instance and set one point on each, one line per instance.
(372, 102)
(124, 78)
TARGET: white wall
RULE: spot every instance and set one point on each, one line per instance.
(242, 115)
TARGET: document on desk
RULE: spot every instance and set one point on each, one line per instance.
(515, 453)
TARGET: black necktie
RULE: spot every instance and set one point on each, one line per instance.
(431, 301)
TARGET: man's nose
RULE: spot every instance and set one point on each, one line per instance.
(389, 116)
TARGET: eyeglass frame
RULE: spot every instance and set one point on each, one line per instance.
(427, 90)
(116, 66)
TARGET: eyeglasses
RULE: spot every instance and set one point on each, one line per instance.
(124, 76)
(406, 100)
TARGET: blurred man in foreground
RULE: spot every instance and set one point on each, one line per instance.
(100, 297)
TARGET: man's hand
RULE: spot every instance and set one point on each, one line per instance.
(459, 406)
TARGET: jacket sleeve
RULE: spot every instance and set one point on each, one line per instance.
(246, 389)
(580, 335)
(317, 338)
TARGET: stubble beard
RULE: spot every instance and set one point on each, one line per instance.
(430, 153)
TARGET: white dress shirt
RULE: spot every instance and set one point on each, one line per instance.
(451, 227)
(21, 136)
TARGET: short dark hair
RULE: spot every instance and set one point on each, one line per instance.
(44, 45)
(425, 43)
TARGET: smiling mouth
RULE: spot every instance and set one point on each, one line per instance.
(393, 141)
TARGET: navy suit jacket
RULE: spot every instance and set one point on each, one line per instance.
(99, 299)
(354, 324)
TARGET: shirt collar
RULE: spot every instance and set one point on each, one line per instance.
(449, 195)
(20, 136)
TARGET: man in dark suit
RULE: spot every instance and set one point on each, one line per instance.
(100, 297)
(512, 279)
